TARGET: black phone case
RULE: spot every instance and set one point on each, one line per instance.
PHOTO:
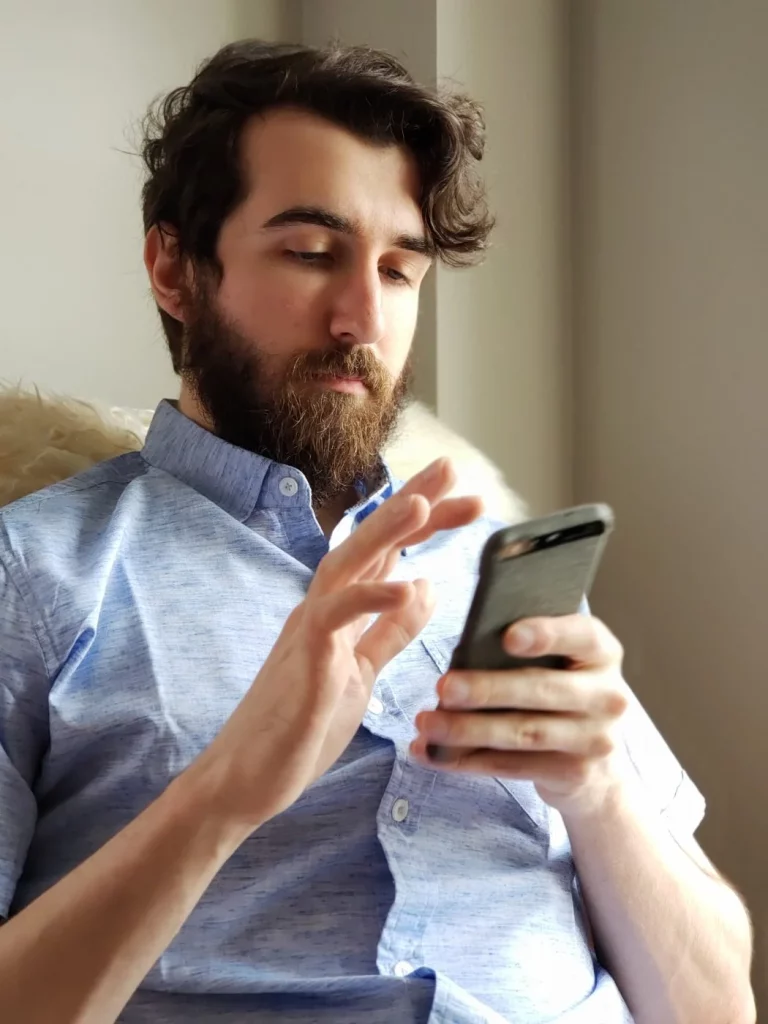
(547, 582)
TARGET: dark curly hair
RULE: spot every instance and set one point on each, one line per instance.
(191, 140)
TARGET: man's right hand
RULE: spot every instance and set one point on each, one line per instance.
(94, 934)
(310, 696)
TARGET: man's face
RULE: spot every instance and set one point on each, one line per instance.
(300, 353)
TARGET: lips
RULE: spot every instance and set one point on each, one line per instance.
(351, 378)
(342, 382)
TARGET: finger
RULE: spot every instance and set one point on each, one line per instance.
(450, 514)
(393, 631)
(433, 482)
(394, 520)
(513, 730)
(545, 768)
(340, 609)
(583, 639)
(533, 689)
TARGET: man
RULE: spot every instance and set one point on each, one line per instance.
(216, 798)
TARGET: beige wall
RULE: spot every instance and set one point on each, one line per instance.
(74, 80)
(503, 368)
(671, 261)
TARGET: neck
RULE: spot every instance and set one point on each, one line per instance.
(328, 515)
(192, 409)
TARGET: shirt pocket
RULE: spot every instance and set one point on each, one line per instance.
(536, 813)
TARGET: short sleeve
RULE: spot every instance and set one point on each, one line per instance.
(670, 788)
(24, 731)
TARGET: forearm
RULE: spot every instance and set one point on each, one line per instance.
(676, 939)
(78, 953)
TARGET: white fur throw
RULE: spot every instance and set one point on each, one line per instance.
(44, 439)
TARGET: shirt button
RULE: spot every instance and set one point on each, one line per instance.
(375, 706)
(288, 487)
(400, 810)
(403, 969)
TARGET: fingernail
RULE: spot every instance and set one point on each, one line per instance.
(520, 640)
(457, 691)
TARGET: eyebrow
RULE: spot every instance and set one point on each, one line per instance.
(323, 218)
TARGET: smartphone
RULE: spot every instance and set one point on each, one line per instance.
(544, 567)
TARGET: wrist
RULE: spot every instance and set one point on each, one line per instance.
(607, 800)
(198, 798)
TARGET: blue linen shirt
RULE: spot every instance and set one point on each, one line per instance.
(137, 603)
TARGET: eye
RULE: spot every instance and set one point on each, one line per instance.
(308, 257)
(395, 275)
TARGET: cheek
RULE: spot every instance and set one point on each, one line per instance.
(401, 326)
(270, 309)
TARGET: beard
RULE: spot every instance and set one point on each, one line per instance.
(277, 409)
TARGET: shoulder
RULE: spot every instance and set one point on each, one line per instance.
(78, 490)
(53, 544)
(44, 519)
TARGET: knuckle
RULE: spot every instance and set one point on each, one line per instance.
(494, 731)
(460, 731)
(601, 745)
(533, 737)
(441, 727)
(615, 649)
(557, 690)
(531, 684)
(530, 735)
(546, 634)
(608, 642)
(616, 703)
(482, 694)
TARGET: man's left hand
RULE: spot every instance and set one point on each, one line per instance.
(556, 727)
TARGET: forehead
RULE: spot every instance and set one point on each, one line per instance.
(294, 158)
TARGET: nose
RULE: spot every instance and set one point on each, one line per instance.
(358, 315)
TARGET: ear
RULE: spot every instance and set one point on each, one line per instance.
(167, 271)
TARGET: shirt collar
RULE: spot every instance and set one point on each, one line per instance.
(237, 480)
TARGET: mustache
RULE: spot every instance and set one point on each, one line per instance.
(359, 363)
